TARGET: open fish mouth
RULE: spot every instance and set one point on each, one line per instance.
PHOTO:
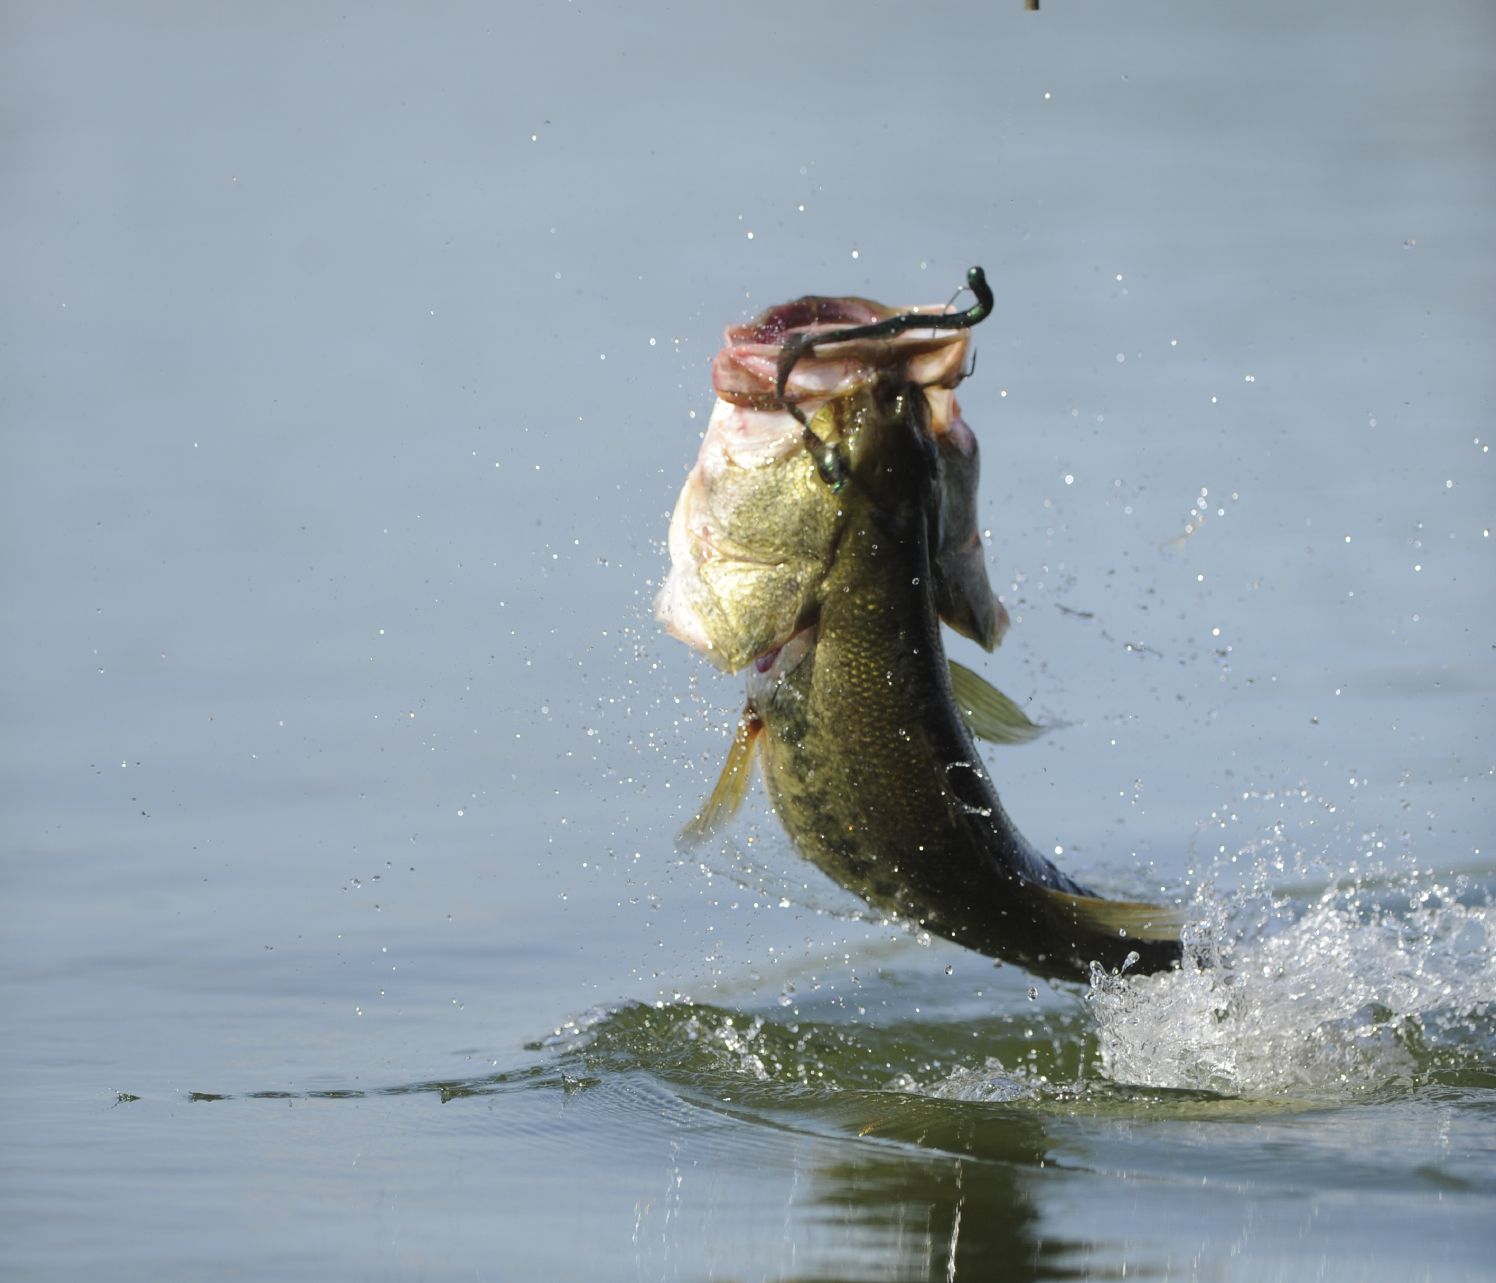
(755, 526)
(745, 371)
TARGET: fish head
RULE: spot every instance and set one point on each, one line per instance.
(757, 526)
(891, 456)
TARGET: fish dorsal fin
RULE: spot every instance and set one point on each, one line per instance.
(987, 712)
(732, 785)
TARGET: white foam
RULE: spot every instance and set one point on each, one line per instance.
(1330, 997)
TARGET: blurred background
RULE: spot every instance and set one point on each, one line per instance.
(351, 361)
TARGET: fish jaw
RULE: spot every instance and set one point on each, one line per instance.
(963, 593)
(745, 369)
(744, 538)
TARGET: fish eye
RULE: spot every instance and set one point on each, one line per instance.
(831, 464)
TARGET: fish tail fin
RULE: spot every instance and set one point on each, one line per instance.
(1122, 935)
(732, 784)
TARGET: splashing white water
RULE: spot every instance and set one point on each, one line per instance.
(1335, 998)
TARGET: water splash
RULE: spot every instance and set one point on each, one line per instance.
(1374, 983)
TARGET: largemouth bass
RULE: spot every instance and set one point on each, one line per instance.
(827, 529)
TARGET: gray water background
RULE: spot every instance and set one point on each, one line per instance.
(351, 360)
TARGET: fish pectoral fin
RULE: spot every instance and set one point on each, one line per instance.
(987, 712)
(1117, 919)
(732, 785)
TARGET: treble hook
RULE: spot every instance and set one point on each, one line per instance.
(828, 456)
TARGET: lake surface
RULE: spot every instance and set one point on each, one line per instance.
(351, 362)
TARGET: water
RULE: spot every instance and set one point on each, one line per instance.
(351, 363)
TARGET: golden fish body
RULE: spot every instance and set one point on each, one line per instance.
(869, 763)
(833, 598)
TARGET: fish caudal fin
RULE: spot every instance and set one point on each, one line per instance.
(732, 785)
(1122, 935)
(988, 713)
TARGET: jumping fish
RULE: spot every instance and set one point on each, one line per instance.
(826, 530)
